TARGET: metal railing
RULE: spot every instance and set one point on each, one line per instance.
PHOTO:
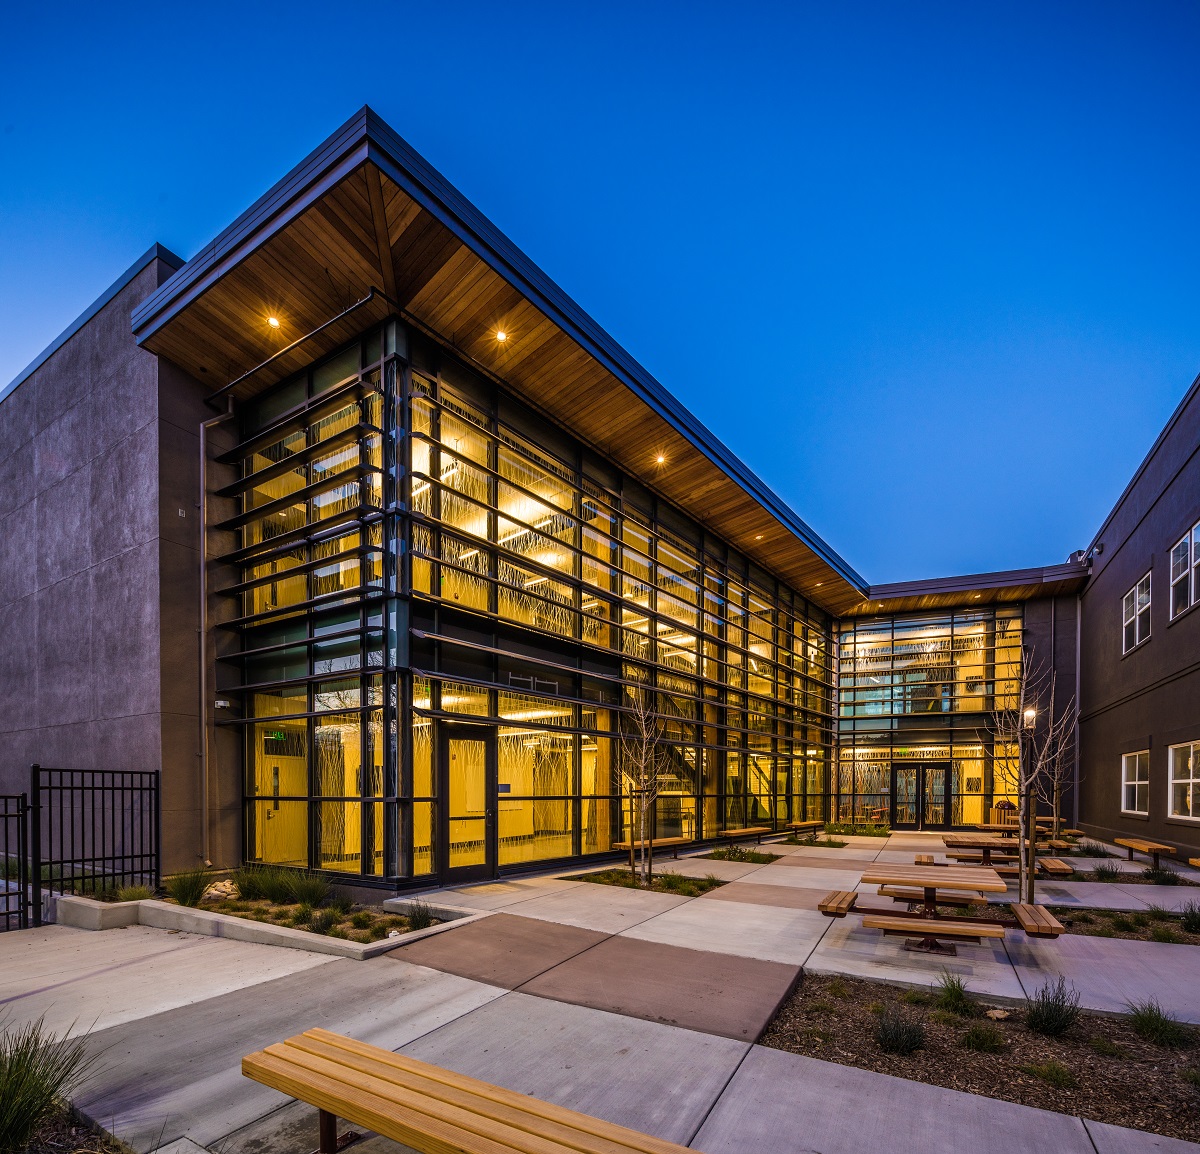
(92, 830)
(14, 854)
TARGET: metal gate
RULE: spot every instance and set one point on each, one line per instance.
(14, 853)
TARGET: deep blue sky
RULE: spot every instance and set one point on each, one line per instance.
(932, 271)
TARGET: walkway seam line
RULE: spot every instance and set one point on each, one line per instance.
(720, 1094)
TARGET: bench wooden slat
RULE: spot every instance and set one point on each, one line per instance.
(924, 859)
(1037, 921)
(1055, 867)
(655, 843)
(750, 829)
(837, 903)
(430, 1109)
(1143, 846)
(944, 897)
(933, 927)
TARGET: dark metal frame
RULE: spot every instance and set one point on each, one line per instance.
(92, 830)
(14, 847)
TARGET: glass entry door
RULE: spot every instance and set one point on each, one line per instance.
(919, 795)
(467, 781)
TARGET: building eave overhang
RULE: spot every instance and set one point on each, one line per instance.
(767, 530)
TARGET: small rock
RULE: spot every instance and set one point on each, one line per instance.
(393, 933)
(996, 1015)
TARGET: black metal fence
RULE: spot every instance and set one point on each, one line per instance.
(14, 853)
(90, 831)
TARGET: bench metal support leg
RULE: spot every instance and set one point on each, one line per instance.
(327, 1124)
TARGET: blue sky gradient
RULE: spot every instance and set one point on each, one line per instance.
(930, 270)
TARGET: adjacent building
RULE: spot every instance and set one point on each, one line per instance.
(357, 527)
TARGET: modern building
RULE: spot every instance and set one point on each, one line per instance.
(357, 527)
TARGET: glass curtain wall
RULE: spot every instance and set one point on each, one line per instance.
(915, 695)
(413, 548)
(521, 544)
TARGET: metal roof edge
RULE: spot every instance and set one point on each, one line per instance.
(1042, 575)
(155, 252)
(419, 178)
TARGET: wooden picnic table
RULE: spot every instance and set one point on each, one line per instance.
(930, 879)
(987, 845)
(1008, 830)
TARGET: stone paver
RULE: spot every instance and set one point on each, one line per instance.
(656, 1078)
(778, 874)
(772, 933)
(501, 950)
(609, 909)
(1111, 972)
(178, 1073)
(713, 993)
(1120, 1140)
(84, 980)
(498, 895)
(751, 893)
(698, 867)
(790, 1104)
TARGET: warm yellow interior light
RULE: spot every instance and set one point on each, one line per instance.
(758, 536)
(660, 459)
(501, 335)
(273, 322)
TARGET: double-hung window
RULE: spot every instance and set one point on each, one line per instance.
(1185, 572)
(1135, 782)
(1135, 615)
(1185, 780)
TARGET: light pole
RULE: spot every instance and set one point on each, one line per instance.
(1028, 724)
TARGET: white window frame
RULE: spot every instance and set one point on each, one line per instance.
(1190, 751)
(1185, 572)
(1138, 780)
(1135, 612)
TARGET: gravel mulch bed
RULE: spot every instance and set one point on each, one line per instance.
(64, 1133)
(1103, 1069)
(357, 925)
(737, 853)
(666, 882)
(1152, 926)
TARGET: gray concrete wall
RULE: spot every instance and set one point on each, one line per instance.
(95, 668)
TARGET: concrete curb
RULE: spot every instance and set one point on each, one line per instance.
(88, 914)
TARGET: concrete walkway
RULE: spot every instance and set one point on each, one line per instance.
(640, 1008)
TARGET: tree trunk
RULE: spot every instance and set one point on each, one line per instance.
(1031, 853)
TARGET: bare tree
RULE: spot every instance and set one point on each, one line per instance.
(644, 759)
(1043, 735)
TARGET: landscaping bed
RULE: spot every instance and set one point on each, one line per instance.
(825, 842)
(1100, 1068)
(63, 1133)
(1153, 925)
(662, 883)
(343, 920)
(741, 853)
(1146, 877)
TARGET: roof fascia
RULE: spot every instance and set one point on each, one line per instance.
(154, 252)
(1006, 579)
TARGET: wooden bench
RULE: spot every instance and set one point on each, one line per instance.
(1152, 848)
(1073, 833)
(965, 858)
(671, 843)
(944, 897)
(1055, 867)
(754, 831)
(1036, 921)
(812, 827)
(1194, 861)
(924, 859)
(837, 903)
(923, 933)
(1058, 844)
(427, 1108)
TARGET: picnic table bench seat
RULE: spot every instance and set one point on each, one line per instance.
(1058, 844)
(1194, 861)
(813, 827)
(932, 927)
(754, 831)
(1037, 921)
(1073, 833)
(1055, 867)
(924, 859)
(837, 903)
(671, 843)
(1151, 848)
(427, 1108)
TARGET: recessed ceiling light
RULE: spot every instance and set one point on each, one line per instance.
(820, 583)
(273, 322)
(501, 336)
(660, 459)
(758, 536)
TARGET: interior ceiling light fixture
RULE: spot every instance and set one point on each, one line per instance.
(273, 322)
(758, 536)
(660, 459)
(501, 336)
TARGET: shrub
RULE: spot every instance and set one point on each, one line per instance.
(188, 886)
(1123, 924)
(1053, 1010)
(899, 1031)
(945, 1018)
(984, 1037)
(323, 921)
(1153, 1024)
(311, 888)
(1157, 913)
(1192, 1077)
(419, 915)
(361, 920)
(950, 994)
(1161, 875)
(742, 854)
(1088, 848)
(1107, 1049)
(1189, 919)
(1106, 873)
(134, 893)
(1053, 1073)
(864, 829)
(1163, 934)
(838, 989)
(303, 915)
(37, 1068)
(341, 901)
(914, 998)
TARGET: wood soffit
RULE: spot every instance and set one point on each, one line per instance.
(364, 211)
